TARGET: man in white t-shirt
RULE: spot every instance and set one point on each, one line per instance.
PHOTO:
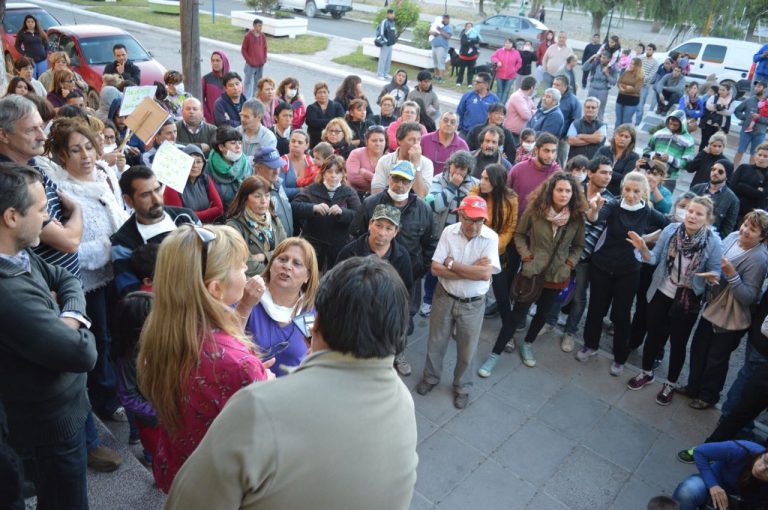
(466, 257)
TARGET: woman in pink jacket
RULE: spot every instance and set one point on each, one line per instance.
(520, 107)
(508, 62)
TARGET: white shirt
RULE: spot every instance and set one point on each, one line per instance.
(380, 179)
(454, 244)
(147, 232)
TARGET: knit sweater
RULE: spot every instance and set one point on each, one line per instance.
(525, 176)
(43, 362)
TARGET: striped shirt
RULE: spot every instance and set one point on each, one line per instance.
(593, 231)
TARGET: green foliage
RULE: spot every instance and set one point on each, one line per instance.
(406, 15)
(266, 6)
(421, 35)
(500, 5)
(727, 31)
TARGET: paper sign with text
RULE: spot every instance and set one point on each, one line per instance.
(172, 166)
(132, 96)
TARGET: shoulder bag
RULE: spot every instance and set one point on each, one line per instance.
(526, 289)
(726, 313)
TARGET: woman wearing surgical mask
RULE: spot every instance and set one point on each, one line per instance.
(325, 210)
(288, 92)
(614, 271)
(227, 164)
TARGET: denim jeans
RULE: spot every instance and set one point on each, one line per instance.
(91, 433)
(624, 113)
(41, 67)
(692, 493)
(503, 88)
(752, 359)
(430, 282)
(579, 299)
(58, 472)
(385, 60)
(251, 75)
(645, 93)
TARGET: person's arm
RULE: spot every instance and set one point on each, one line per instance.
(349, 209)
(216, 207)
(134, 72)
(125, 280)
(662, 198)
(480, 270)
(65, 237)
(359, 225)
(520, 238)
(380, 176)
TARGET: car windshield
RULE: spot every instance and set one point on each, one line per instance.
(13, 19)
(537, 24)
(98, 50)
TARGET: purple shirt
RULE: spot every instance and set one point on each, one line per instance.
(524, 177)
(268, 333)
(437, 152)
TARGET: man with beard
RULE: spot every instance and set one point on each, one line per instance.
(496, 114)
(150, 222)
(492, 138)
(725, 200)
(525, 176)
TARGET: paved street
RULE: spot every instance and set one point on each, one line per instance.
(563, 435)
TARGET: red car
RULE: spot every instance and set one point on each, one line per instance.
(14, 16)
(90, 49)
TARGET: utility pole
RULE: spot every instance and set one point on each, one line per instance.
(190, 46)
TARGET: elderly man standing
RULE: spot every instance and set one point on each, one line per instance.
(554, 58)
(571, 108)
(270, 447)
(192, 128)
(473, 105)
(548, 118)
(439, 145)
(587, 134)
(464, 261)
(47, 348)
(255, 135)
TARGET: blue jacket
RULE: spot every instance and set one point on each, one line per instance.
(692, 113)
(571, 108)
(551, 121)
(224, 111)
(721, 463)
(762, 62)
(710, 262)
(473, 109)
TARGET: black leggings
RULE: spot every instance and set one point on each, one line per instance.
(710, 355)
(545, 302)
(661, 324)
(469, 65)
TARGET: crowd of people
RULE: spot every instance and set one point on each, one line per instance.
(140, 303)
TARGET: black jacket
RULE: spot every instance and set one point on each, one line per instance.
(474, 142)
(130, 72)
(43, 362)
(726, 207)
(317, 119)
(750, 184)
(417, 228)
(701, 165)
(621, 167)
(331, 229)
(397, 257)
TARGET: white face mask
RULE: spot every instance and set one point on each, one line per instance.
(397, 197)
(290, 93)
(179, 89)
(233, 156)
(636, 207)
(581, 176)
(529, 146)
(109, 148)
(680, 214)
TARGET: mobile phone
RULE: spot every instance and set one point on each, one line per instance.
(274, 350)
(304, 322)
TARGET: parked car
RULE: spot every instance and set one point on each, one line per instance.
(728, 59)
(496, 29)
(336, 8)
(14, 16)
(90, 49)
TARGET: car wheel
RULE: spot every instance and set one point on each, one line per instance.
(310, 9)
(337, 15)
(93, 99)
(9, 63)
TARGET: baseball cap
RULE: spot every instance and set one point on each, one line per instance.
(404, 169)
(268, 156)
(473, 206)
(387, 212)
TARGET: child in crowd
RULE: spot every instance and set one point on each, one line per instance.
(174, 84)
(130, 314)
(320, 153)
(762, 111)
(527, 144)
(143, 264)
(624, 60)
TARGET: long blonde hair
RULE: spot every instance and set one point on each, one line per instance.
(309, 289)
(185, 313)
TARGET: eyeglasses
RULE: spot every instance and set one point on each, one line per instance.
(206, 236)
(335, 131)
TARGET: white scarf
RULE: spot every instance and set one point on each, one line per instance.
(278, 313)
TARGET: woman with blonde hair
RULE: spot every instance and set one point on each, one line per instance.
(63, 85)
(280, 318)
(339, 135)
(194, 354)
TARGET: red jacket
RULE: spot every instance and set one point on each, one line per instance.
(254, 49)
(172, 198)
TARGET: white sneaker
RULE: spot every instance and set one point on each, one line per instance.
(567, 343)
(425, 310)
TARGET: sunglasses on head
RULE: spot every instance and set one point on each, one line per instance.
(206, 236)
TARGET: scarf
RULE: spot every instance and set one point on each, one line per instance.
(278, 313)
(262, 224)
(558, 219)
(692, 247)
(223, 169)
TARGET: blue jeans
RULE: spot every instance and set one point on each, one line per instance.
(430, 281)
(749, 141)
(251, 75)
(41, 67)
(91, 433)
(691, 493)
(752, 359)
(624, 113)
(58, 472)
(385, 60)
(503, 88)
(579, 299)
(645, 92)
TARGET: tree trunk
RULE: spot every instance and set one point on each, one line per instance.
(751, 28)
(597, 21)
(534, 8)
(656, 28)
(481, 7)
(190, 46)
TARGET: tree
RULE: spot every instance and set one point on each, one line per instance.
(189, 18)
(598, 9)
(406, 15)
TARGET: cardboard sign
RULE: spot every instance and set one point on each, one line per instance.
(132, 97)
(172, 166)
(146, 119)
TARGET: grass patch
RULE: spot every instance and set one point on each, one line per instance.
(139, 10)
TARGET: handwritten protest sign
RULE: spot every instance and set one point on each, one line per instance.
(132, 97)
(146, 119)
(172, 166)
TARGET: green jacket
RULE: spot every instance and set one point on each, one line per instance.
(533, 238)
(257, 242)
(680, 147)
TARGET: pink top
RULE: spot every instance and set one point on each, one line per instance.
(225, 366)
(360, 169)
(510, 61)
(392, 133)
(519, 109)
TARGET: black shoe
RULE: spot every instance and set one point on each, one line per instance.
(424, 387)
(460, 400)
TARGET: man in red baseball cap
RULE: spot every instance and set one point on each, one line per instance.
(466, 257)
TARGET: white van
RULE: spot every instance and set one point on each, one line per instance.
(335, 8)
(728, 59)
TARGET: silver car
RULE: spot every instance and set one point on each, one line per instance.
(496, 29)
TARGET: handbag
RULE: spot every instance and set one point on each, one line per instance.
(724, 312)
(527, 289)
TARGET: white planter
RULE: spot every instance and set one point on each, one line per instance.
(275, 27)
(401, 54)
